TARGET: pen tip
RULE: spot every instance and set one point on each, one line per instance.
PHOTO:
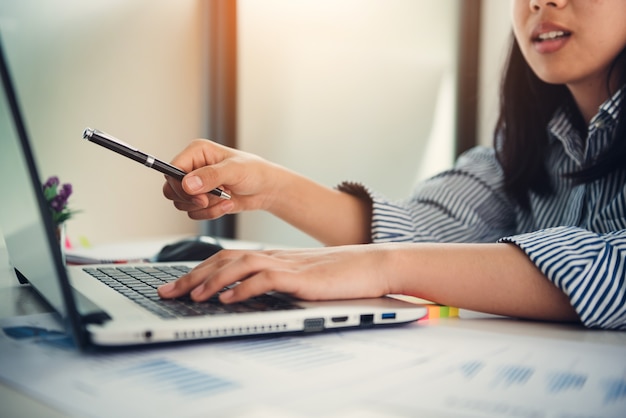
(87, 133)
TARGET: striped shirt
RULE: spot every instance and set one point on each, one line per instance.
(576, 236)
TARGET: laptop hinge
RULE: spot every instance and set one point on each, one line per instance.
(20, 277)
(90, 313)
(98, 318)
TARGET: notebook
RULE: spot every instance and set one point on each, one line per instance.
(100, 311)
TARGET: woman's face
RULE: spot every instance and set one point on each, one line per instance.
(570, 41)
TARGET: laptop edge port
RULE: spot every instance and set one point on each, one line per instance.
(337, 319)
(367, 321)
(313, 324)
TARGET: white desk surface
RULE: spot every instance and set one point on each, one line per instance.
(17, 300)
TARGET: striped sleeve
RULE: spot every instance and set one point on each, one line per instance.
(464, 204)
(590, 268)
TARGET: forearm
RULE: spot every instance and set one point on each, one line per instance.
(492, 278)
(326, 214)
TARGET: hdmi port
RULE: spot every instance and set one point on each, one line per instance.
(339, 318)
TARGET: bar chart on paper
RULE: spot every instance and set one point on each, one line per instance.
(614, 390)
(165, 376)
(547, 380)
(559, 382)
(512, 375)
(288, 353)
(496, 378)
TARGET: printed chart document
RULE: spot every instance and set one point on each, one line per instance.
(397, 372)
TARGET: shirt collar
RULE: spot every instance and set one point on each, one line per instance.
(578, 148)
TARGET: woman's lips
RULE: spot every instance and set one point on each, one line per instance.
(548, 38)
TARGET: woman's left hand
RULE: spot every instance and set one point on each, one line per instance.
(346, 272)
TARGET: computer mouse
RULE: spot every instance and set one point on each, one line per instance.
(189, 249)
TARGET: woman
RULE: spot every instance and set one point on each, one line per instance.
(535, 228)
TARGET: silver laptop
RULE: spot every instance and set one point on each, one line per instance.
(101, 305)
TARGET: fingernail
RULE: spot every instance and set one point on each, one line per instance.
(167, 288)
(228, 206)
(226, 295)
(193, 183)
(197, 291)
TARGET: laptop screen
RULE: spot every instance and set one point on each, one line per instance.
(24, 221)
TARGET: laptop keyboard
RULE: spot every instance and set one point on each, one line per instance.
(140, 285)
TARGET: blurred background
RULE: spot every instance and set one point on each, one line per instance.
(358, 90)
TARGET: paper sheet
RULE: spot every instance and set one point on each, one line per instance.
(397, 372)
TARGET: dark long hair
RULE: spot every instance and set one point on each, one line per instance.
(521, 136)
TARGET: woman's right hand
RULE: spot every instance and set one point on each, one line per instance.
(330, 216)
(252, 182)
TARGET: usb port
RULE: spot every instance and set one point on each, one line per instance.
(389, 315)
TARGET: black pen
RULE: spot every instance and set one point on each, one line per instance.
(114, 144)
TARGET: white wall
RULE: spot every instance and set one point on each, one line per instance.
(345, 90)
(356, 90)
(494, 38)
(131, 68)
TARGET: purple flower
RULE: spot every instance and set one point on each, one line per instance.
(51, 182)
(58, 203)
(57, 196)
(65, 191)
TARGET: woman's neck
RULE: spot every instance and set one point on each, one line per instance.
(590, 93)
(588, 99)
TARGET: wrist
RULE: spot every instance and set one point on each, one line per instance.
(393, 264)
(281, 194)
